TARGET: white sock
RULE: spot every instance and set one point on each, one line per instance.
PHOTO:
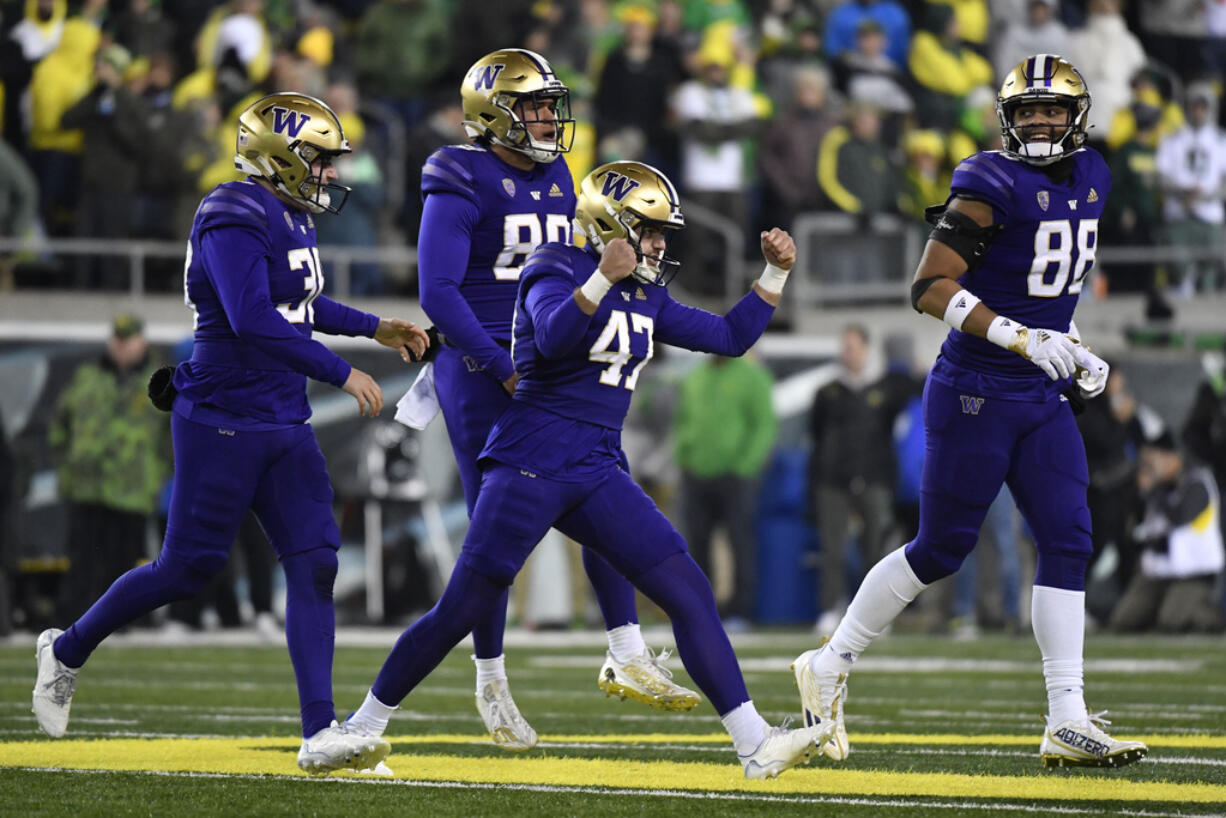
(626, 642)
(887, 588)
(373, 715)
(746, 727)
(1059, 621)
(490, 670)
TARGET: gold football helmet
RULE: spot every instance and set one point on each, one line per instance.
(619, 200)
(1043, 78)
(493, 94)
(280, 136)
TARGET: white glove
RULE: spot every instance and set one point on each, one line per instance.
(1092, 372)
(1049, 350)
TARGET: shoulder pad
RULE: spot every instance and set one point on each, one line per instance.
(233, 203)
(985, 178)
(550, 258)
(449, 170)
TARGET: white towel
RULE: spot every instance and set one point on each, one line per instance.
(420, 404)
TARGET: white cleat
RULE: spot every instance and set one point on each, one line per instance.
(1084, 744)
(342, 747)
(53, 686)
(822, 694)
(380, 769)
(506, 725)
(645, 679)
(782, 749)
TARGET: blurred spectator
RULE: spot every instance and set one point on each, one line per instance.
(926, 178)
(1192, 176)
(317, 42)
(401, 50)
(1173, 32)
(788, 155)
(725, 428)
(799, 49)
(633, 93)
(1133, 215)
(1181, 542)
(854, 168)
(979, 126)
(113, 121)
(714, 119)
(974, 22)
(237, 27)
(18, 196)
(169, 137)
(851, 471)
(1215, 42)
(903, 409)
(1003, 527)
(867, 75)
(39, 30)
(1151, 87)
(357, 225)
(59, 81)
(143, 29)
(843, 23)
(112, 448)
(945, 69)
(1040, 33)
(1204, 431)
(1108, 55)
(444, 126)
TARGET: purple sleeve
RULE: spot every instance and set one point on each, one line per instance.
(447, 223)
(978, 177)
(336, 318)
(557, 322)
(236, 263)
(729, 335)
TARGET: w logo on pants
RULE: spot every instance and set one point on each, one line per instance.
(971, 405)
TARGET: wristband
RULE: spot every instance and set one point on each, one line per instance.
(773, 278)
(959, 307)
(596, 287)
(1007, 333)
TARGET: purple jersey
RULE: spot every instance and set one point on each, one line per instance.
(1035, 267)
(577, 372)
(514, 211)
(253, 279)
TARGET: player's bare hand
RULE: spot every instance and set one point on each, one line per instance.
(365, 391)
(407, 338)
(618, 260)
(510, 383)
(778, 248)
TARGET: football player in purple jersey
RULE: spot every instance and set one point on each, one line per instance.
(239, 417)
(586, 322)
(1007, 257)
(487, 206)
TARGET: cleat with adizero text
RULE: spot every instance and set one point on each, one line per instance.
(782, 749)
(506, 725)
(822, 693)
(342, 747)
(1075, 743)
(54, 685)
(645, 679)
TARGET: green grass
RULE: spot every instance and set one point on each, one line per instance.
(1167, 688)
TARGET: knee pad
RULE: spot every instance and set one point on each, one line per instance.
(501, 572)
(1063, 565)
(932, 559)
(186, 572)
(314, 569)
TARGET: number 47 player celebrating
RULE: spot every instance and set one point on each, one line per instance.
(1003, 267)
(586, 323)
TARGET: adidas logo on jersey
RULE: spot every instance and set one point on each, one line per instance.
(555, 191)
(1093, 197)
(640, 295)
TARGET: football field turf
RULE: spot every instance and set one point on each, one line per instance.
(936, 727)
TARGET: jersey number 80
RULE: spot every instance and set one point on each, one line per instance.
(521, 234)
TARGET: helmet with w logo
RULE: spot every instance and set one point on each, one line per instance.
(1043, 78)
(506, 91)
(622, 199)
(281, 136)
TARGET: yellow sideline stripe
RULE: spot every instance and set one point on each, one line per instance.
(275, 756)
(1198, 741)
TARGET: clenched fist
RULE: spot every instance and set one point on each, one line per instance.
(778, 248)
(618, 260)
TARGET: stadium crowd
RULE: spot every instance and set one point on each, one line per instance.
(120, 114)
